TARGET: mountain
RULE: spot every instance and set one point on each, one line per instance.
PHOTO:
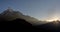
(16, 24)
(51, 26)
(22, 22)
(10, 15)
(10, 19)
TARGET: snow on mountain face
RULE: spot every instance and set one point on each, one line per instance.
(10, 14)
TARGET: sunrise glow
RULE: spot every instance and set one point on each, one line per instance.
(53, 19)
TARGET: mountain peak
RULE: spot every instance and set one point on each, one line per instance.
(9, 9)
(10, 14)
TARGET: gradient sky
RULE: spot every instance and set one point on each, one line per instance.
(39, 9)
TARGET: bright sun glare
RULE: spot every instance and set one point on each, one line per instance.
(53, 19)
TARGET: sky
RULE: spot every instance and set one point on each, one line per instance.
(40, 9)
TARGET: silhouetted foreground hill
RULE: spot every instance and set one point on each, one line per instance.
(51, 26)
(17, 24)
(24, 26)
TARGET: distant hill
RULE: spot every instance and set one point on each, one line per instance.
(53, 26)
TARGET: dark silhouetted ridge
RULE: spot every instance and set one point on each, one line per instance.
(17, 24)
(53, 26)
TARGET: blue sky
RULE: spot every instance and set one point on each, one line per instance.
(39, 9)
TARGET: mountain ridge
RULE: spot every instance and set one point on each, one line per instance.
(10, 14)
